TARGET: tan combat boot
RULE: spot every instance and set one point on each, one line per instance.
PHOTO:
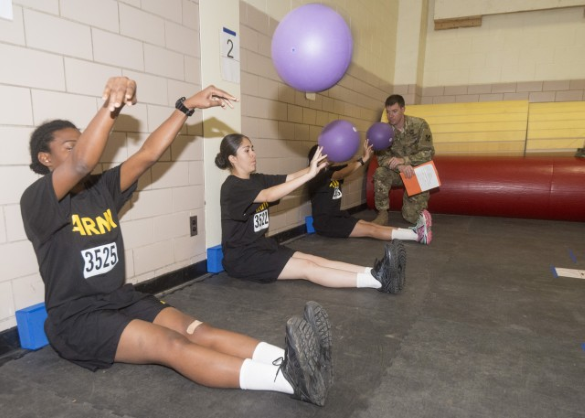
(382, 218)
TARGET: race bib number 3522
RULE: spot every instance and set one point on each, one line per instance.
(99, 260)
(261, 220)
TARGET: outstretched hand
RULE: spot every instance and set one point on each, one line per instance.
(210, 96)
(318, 162)
(119, 91)
(367, 151)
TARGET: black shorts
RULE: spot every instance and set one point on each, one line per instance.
(261, 262)
(90, 338)
(336, 226)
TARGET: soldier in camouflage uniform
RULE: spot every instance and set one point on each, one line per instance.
(412, 145)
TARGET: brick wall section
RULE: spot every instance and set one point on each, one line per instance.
(56, 58)
(533, 91)
(283, 124)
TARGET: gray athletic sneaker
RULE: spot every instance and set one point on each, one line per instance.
(300, 365)
(390, 271)
(318, 318)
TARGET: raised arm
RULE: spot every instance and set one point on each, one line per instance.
(157, 143)
(84, 150)
(354, 165)
(293, 181)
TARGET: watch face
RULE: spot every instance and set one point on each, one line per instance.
(180, 106)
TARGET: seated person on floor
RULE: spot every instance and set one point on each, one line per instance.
(248, 254)
(330, 221)
(94, 319)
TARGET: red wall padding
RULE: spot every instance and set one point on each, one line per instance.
(514, 187)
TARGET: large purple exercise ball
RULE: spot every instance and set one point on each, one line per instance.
(340, 140)
(312, 48)
(380, 136)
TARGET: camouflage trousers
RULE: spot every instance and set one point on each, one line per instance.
(384, 180)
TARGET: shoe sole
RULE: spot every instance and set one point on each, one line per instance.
(305, 356)
(428, 220)
(394, 277)
(318, 318)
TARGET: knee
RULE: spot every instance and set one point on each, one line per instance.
(378, 171)
(308, 267)
(173, 343)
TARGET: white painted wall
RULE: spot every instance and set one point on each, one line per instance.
(56, 58)
(411, 42)
(218, 122)
(456, 9)
(518, 47)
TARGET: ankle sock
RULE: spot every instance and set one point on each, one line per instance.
(367, 280)
(259, 376)
(267, 353)
(404, 234)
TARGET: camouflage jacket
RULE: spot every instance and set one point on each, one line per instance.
(415, 144)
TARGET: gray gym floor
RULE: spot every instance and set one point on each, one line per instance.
(482, 329)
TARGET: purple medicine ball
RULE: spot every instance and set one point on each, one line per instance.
(380, 136)
(340, 140)
(312, 48)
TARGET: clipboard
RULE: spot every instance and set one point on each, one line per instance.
(426, 177)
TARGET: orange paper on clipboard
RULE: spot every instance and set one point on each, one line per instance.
(426, 177)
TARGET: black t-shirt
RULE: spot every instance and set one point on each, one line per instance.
(244, 222)
(77, 240)
(325, 193)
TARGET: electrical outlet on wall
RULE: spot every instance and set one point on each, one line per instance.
(193, 225)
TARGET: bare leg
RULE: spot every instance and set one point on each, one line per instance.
(385, 233)
(305, 267)
(331, 264)
(223, 341)
(146, 343)
(370, 230)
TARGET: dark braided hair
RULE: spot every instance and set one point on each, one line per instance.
(40, 140)
(229, 146)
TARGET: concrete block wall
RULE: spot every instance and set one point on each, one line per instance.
(56, 58)
(284, 124)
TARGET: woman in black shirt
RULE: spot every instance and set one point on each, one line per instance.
(330, 221)
(94, 319)
(248, 253)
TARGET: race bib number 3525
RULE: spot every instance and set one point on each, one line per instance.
(99, 260)
(261, 220)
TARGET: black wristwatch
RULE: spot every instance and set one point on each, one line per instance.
(361, 161)
(180, 106)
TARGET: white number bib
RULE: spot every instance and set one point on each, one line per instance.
(99, 260)
(261, 220)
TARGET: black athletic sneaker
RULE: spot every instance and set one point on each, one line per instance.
(391, 270)
(318, 318)
(300, 366)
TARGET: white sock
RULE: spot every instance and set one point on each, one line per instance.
(367, 280)
(259, 376)
(267, 353)
(405, 234)
(368, 270)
